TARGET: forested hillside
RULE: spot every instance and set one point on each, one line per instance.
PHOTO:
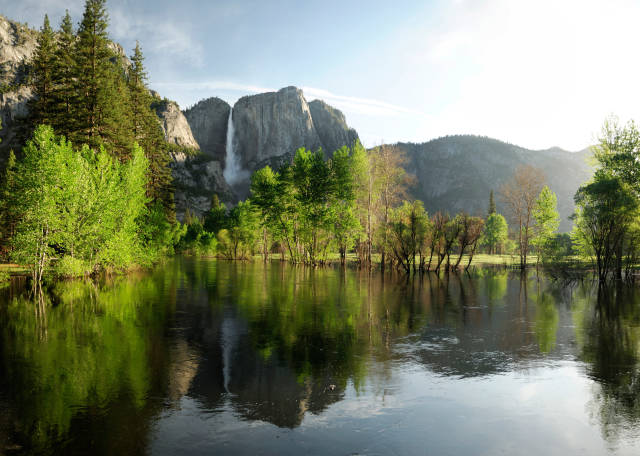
(457, 173)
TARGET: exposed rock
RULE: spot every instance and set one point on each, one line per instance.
(13, 111)
(208, 122)
(17, 45)
(174, 124)
(272, 124)
(331, 126)
(196, 179)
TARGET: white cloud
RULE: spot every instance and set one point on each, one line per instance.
(367, 106)
(170, 39)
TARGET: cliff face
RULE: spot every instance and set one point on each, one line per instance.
(196, 175)
(196, 179)
(174, 125)
(208, 122)
(269, 128)
(272, 124)
(17, 45)
(331, 126)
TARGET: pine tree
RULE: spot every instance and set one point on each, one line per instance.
(41, 108)
(492, 204)
(64, 83)
(100, 112)
(148, 134)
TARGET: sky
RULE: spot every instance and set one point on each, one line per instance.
(538, 74)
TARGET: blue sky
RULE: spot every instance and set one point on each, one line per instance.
(535, 73)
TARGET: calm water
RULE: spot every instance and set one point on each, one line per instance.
(206, 357)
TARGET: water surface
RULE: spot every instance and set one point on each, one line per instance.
(212, 357)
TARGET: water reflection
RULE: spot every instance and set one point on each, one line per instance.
(131, 365)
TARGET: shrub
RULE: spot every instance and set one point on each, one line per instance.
(69, 267)
(4, 277)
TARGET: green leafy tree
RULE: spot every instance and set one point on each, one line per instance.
(469, 237)
(240, 238)
(408, 231)
(496, 232)
(607, 208)
(547, 219)
(83, 205)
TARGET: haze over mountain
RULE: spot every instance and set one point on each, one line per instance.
(452, 173)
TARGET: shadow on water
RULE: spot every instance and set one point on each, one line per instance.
(94, 367)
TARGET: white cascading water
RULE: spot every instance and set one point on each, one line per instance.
(229, 336)
(233, 171)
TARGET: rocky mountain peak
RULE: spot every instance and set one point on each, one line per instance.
(208, 121)
(174, 124)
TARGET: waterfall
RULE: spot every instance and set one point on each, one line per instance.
(233, 171)
(228, 342)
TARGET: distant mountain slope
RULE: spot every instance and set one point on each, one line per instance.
(456, 173)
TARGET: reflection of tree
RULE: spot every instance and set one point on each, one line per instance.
(301, 336)
(546, 323)
(94, 349)
(608, 334)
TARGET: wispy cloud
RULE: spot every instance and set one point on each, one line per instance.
(366, 106)
(214, 86)
(171, 39)
(347, 104)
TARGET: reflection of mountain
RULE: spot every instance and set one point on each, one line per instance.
(275, 344)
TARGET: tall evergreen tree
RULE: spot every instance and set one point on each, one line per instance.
(41, 107)
(64, 95)
(100, 111)
(148, 134)
(492, 204)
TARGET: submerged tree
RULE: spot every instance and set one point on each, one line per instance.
(408, 230)
(607, 207)
(469, 237)
(545, 214)
(79, 208)
(519, 195)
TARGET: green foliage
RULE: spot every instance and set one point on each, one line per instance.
(409, 227)
(310, 204)
(90, 95)
(4, 277)
(84, 205)
(64, 88)
(496, 231)
(545, 214)
(41, 107)
(243, 230)
(608, 207)
(70, 267)
(492, 205)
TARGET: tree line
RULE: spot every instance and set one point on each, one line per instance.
(315, 210)
(90, 93)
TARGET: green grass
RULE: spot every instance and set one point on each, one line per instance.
(482, 259)
(13, 268)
